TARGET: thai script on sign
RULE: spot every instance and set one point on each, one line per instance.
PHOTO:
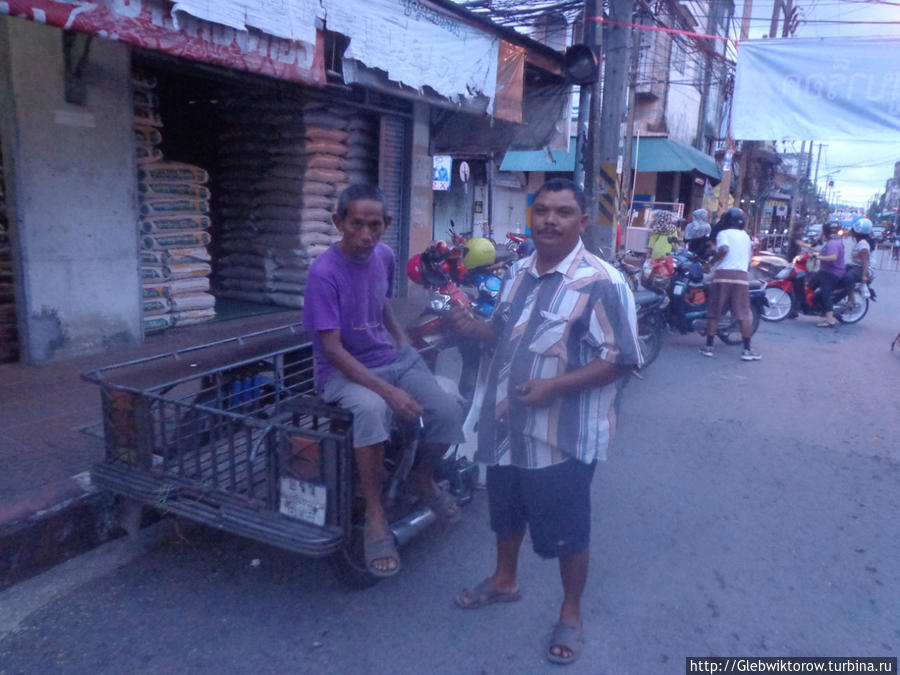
(423, 11)
(842, 83)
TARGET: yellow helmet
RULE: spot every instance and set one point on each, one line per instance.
(478, 252)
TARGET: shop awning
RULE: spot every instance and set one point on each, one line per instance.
(663, 154)
(654, 155)
(540, 160)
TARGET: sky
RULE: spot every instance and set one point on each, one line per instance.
(859, 170)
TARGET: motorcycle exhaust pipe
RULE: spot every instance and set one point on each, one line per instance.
(410, 526)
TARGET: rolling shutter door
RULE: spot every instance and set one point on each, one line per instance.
(393, 179)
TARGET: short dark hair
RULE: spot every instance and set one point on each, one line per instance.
(360, 191)
(560, 184)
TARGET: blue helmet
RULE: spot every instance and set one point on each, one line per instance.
(862, 226)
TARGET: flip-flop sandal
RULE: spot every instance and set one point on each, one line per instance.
(378, 549)
(445, 507)
(484, 594)
(568, 637)
(826, 324)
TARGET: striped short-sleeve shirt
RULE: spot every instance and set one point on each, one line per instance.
(549, 325)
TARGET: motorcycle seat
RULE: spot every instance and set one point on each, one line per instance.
(644, 297)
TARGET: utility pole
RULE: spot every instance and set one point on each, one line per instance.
(607, 117)
(626, 199)
(585, 94)
(727, 170)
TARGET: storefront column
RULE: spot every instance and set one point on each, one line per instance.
(73, 214)
(421, 195)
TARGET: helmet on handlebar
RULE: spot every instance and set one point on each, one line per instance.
(478, 253)
(414, 269)
(862, 226)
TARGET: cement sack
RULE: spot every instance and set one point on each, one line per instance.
(244, 147)
(242, 272)
(248, 260)
(275, 212)
(294, 274)
(154, 191)
(174, 221)
(303, 148)
(147, 135)
(279, 185)
(287, 287)
(359, 164)
(317, 249)
(325, 134)
(185, 286)
(315, 188)
(193, 316)
(277, 120)
(280, 240)
(277, 198)
(232, 197)
(274, 226)
(193, 254)
(156, 306)
(191, 301)
(236, 211)
(233, 283)
(324, 175)
(236, 181)
(245, 162)
(175, 239)
(298, 257)
(330, 162)
(320, 202)
(145, 154)
(157, 322)
(312, 238)
(147, 117)
(286, 299)
(321, 226)
(240, 133)
(167, 206)
(151, 273)
(144, 98)
(326, 148)
(340, 187)
(238, 225)
(154, 290)
(189, 269)
(166, 172)
(325, 119)
(247, 296)
(153, 257)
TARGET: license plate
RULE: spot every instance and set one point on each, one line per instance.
(678, 290)
(302, 500)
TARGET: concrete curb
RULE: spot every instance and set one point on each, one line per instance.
(52, 524)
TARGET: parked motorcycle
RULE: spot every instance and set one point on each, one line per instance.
(650, 304)
(689, 292)
(790, 291)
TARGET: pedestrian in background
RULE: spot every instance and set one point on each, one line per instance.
(731, 281)
(663, 234)
(565, 332)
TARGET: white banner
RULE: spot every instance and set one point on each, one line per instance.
(831, 89)
(414, 42)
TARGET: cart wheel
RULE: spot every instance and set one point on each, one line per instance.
(349, 564)
(130, 513)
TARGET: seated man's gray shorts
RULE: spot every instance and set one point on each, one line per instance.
(371, 414)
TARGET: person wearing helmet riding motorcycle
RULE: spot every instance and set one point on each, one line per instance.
(858, 270)
(731, 281)
(831, 271)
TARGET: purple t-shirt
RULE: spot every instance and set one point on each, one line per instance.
(835, 267)
(350, 296)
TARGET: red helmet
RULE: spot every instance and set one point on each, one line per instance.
(414, 269)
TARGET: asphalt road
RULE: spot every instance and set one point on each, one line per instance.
(746, 509)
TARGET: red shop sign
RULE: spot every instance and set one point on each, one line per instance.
(149, 24)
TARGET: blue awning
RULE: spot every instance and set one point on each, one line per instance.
(654, 155)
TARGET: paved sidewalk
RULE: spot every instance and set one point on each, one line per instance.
(51, 434)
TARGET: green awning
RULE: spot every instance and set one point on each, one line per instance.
(654, 155)
(540, 160)
(663, 154)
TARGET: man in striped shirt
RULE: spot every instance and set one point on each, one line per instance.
(564, 332)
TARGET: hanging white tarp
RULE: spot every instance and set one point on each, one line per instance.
(830, 89)
(416, 43)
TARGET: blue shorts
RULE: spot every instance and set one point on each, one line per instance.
(554, 502)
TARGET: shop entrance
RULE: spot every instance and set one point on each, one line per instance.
(238, 177)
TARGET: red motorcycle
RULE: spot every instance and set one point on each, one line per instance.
(791, 291)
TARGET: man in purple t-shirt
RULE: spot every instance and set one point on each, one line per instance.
(363, 362)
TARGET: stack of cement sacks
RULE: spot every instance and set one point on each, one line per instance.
(174, 206)
(9, 337)
(282, 166)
